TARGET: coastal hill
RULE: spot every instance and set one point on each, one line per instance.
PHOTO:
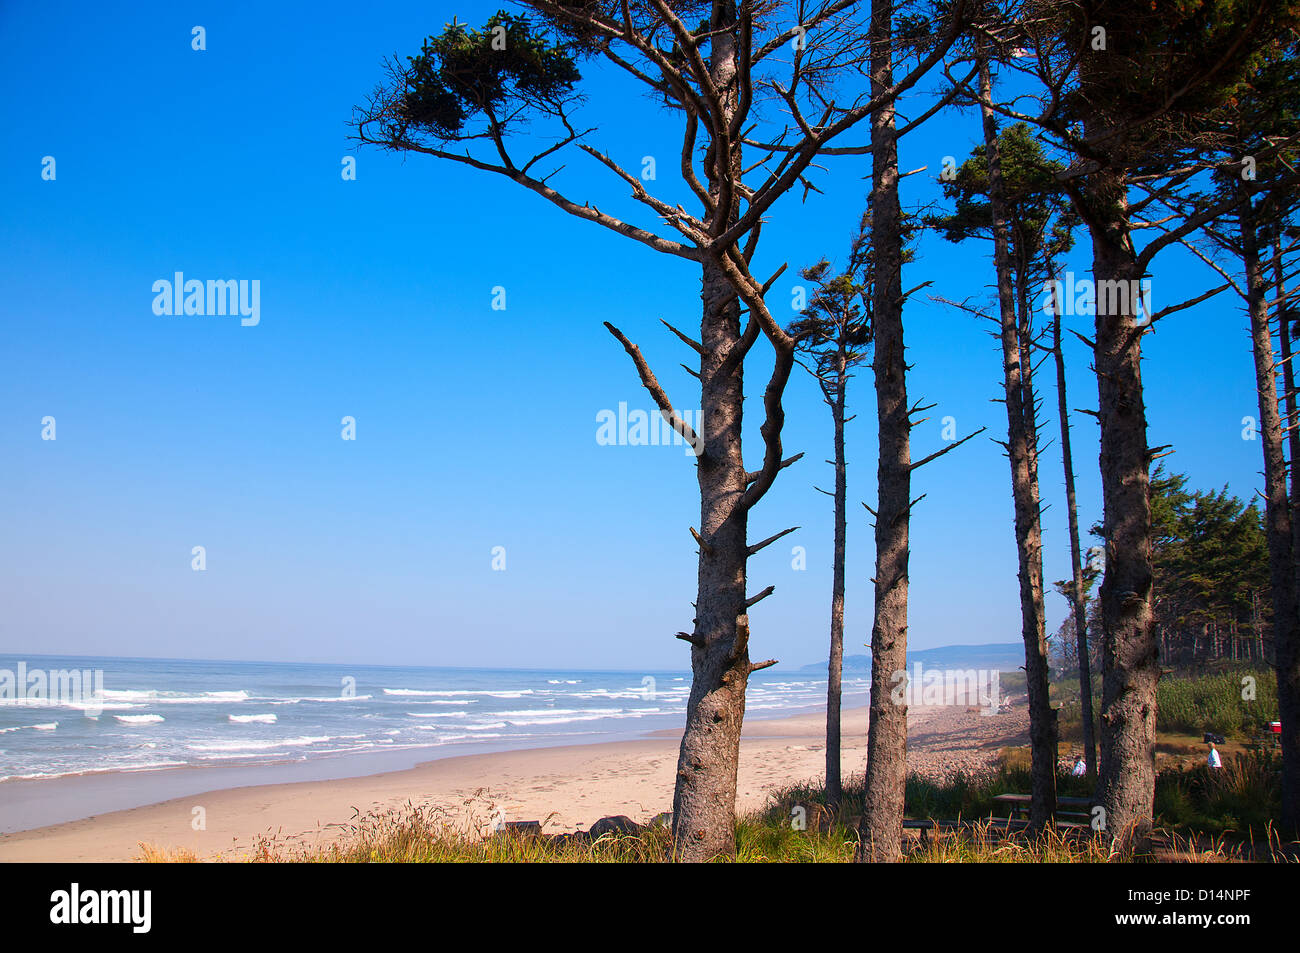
(998, 656)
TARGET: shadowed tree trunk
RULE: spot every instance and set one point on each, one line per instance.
(1021, 451)
(1131, 92)
(1078, 600)
(1131, 663)
(1289, 678)
(1277, 515)
(1288, 386)
(881, 830)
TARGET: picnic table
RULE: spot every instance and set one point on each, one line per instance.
(1269, 736)
(1019, 804)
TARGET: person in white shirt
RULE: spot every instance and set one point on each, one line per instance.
(1080, 767)
(1214, 760)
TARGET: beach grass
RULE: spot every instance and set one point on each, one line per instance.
(1189, 703)
(1203, 816)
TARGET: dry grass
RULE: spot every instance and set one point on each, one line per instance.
(151, 854)
(796, 827)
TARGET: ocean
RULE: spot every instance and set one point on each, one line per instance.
(154, 714)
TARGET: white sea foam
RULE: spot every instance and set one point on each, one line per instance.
(253, 745)
(139, 719)
(46, 727)
(557, 711)
(151, 696)
(497, 694)
(596, 716)
(252, 719)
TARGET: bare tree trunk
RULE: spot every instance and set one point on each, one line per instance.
(1043, 724)
(1021, 448)
(834, 786)
(1131, 658)
(1077, 598)
(1277, 520)
(1291, 678)
(1288, 387)
(881, 831)
(705, 799)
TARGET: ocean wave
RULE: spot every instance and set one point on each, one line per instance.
(108, 769)
(557, 711)
(304, 741)
(252, 719)
(525, 722)
(139, 719)
(89, 703)
(155, 697)
(504, 693)
(46, 727)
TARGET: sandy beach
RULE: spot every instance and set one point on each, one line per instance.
(568, 788)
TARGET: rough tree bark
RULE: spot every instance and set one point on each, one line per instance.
(704, 802)
(881, 830)
(1021, 451)
(1131, 663)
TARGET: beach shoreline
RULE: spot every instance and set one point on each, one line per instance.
(566, 787)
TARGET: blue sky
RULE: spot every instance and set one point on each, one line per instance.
(475, 427)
